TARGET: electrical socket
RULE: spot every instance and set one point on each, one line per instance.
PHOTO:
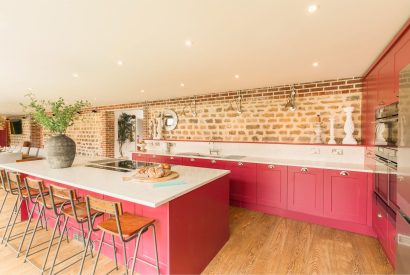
(337, 152)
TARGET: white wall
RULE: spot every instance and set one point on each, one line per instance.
(128, 147)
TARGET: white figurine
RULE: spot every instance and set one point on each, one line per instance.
(349, 127)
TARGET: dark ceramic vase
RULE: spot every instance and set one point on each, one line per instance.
(60, 151)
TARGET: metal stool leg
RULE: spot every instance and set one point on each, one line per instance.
(137, 244)
(59, 244)
(14, 221)
(40, 216)
(8, 223)
(85, 251)
(125, 257)
(155, 247)
(57, 225)
(115, 251)
(26, 230)
(4, 201)
(98, 252)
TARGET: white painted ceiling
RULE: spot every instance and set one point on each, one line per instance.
(266, 42)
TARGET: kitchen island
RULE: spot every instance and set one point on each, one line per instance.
(192, 213)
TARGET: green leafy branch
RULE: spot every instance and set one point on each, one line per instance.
(54, 116)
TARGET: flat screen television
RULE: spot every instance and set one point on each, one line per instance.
(16, 127)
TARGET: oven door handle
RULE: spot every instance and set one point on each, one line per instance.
(390, 119)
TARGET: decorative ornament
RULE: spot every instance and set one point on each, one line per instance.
(349, 127)
(318, 130)
(332, 131)
(380, 140)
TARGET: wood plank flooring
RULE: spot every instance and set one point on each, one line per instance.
(265, 244)
(259, 244)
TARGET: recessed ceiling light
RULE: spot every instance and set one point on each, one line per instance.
(312, 8)
(120, 63)
(75, 75)
(182, 85)
(142, 91)
(315, 64)
(188, 43)
(236, 76)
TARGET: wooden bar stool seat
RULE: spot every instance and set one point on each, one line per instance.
(125, 226)
(30, 194)
(80, 210)
(48, 202)
(130, 224)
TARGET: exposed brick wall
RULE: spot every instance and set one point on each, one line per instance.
(263, 118)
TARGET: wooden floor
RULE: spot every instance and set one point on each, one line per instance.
(265, 244)
(259, 244)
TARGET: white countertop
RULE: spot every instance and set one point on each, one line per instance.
(286, 162)
(6, 157)
(110, 183)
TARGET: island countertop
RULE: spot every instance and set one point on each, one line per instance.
(110, 183)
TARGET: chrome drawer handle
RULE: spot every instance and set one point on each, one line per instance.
(154, 156)
(271, 166)
(192, 159)
(171, 158)
(213, 161)
(379, 215)
(240, 164)
(344, 173)
(304, 170)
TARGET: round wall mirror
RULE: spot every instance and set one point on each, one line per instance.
(170, 119)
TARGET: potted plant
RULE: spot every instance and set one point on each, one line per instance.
(56, 117)
(126, 130)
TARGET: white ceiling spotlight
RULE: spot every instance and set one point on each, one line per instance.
(142, 91)
(236, 76)
(75, 75)
(188, 43)
(312, 8)
(120, 63)
(182, 85)
(315, 64)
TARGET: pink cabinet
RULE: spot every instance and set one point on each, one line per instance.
(305, 190)
(197, 162)
(139, 157)
(272, 185)
(173, 160)
(391, 238)
(242, 181)
(345, 196)
(156, 158)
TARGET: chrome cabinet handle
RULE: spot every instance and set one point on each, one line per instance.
(154, 156)
(400, 178)
(271, 166)
(171, 158)
(213, 161)
(344, 173)
(240, 164)
(379, 215)
(192, 159)
(304, 170)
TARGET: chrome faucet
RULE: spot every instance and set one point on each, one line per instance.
(212, 149)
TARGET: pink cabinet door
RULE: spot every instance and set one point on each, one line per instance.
(156, 158)
(173, 160)
(139, 157)
(345, 196)
(242, 181)
(305, 190)
(380, 223)
(197, 162)
(272, 185)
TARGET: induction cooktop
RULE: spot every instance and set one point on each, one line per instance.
(119, 165)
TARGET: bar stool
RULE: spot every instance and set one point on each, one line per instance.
(3, 187)
(32, 191)
(13, 186)
(126, 226)
(75, 210)
(47, 201)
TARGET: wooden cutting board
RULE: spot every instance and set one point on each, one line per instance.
(171, 176)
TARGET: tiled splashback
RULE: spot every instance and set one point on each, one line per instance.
(342, 154)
